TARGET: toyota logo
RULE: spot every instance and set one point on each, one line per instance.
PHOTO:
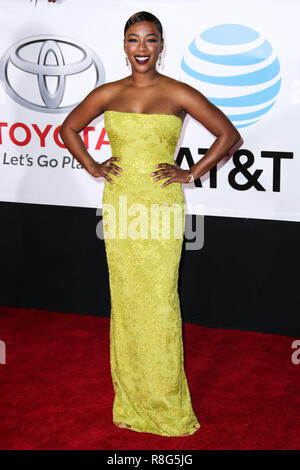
(40, 59)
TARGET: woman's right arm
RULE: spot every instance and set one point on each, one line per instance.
(91, 107)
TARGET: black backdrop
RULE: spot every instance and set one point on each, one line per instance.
(246, 276)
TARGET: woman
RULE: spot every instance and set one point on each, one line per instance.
(143, 119)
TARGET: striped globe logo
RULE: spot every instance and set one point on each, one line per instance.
(236, 69)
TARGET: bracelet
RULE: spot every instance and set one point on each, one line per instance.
(191, 180)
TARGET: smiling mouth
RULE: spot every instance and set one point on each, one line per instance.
(141, 59)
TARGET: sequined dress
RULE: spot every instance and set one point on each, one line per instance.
(143, 249)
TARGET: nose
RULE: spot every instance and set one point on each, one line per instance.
(142, 45)
(142, 49)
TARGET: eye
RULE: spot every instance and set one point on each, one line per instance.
(153, 40)
(131, 40)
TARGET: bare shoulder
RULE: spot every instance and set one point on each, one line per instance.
(189, 98)
(182, 93)
(187, 93)
(170, 84)
(107, 91)
(191, 101)
(92, 106)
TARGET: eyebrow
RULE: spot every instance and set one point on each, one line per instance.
(150, 34)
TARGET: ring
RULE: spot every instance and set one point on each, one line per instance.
(107, 163)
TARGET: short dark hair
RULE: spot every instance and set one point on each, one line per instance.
(144, 16)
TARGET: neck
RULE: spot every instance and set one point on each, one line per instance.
(143, 79)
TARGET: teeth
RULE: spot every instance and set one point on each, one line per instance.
(142, 57)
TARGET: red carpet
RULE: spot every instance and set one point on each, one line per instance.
(56, 390)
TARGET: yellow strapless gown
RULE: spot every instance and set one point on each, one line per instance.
(146, 345)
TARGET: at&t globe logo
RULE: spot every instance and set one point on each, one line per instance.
(50, 74)
(236, 69)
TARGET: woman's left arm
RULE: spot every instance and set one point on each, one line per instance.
(200, 108)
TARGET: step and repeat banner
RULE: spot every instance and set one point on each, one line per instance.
(244, 59)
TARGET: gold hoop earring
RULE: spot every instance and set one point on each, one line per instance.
(126, 60)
